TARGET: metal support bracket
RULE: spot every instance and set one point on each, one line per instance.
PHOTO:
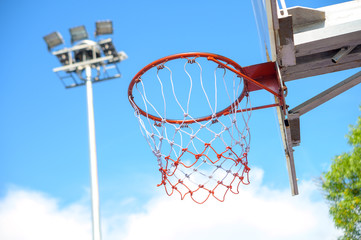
(326, 95)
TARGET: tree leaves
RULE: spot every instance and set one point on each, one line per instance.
(342, 187)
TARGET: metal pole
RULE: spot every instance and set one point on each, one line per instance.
(93, 157)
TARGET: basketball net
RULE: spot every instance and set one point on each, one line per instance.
(197, 156)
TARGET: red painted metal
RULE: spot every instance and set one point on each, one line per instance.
(257, 77)
(259, 107)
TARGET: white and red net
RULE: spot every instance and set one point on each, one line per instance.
(197, 156)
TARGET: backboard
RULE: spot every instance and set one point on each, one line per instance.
(305, 42)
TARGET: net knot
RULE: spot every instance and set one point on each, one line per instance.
(186, 114)
(207, 145)
(197, 156)
(184, 149)
(157, 124)
(201, 186)
(160, 66)
(163, 182)
(166, 158)
(219, 156)
(157, 154)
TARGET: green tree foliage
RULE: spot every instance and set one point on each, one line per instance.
(342, 186)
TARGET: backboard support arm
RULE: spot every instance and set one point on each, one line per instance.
(325, 96)
(291, 129)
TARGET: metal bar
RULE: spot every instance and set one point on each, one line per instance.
(291, 163)
(326, 95)
(93, 157)
(284, 8)
(342, 53)
(260, 107)
(287, 145)
(273, 26)
(244, 76)
(71, 67)
(100, 80)
(75, 48)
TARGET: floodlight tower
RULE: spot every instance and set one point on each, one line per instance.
(78, 63)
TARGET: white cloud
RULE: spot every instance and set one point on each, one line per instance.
(256, 213)
(27, 215)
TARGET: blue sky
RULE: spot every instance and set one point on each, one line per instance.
(43, 127)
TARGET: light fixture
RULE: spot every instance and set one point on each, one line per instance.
(78, 33)
(103, 27)
(63, 58)
(108, 47)
(53, 39)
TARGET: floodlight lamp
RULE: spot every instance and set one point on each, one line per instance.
(53, 39)
(104, 27)
(91, 50)
(78, 33)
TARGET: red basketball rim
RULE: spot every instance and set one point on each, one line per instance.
(195, 55)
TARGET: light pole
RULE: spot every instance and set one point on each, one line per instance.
(80, 60)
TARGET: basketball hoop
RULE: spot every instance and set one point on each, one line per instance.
(194, 110)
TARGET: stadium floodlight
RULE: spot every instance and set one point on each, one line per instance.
(53, 39)
(78, 33)
(103, 27)
(108, 47)
(85, 63)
